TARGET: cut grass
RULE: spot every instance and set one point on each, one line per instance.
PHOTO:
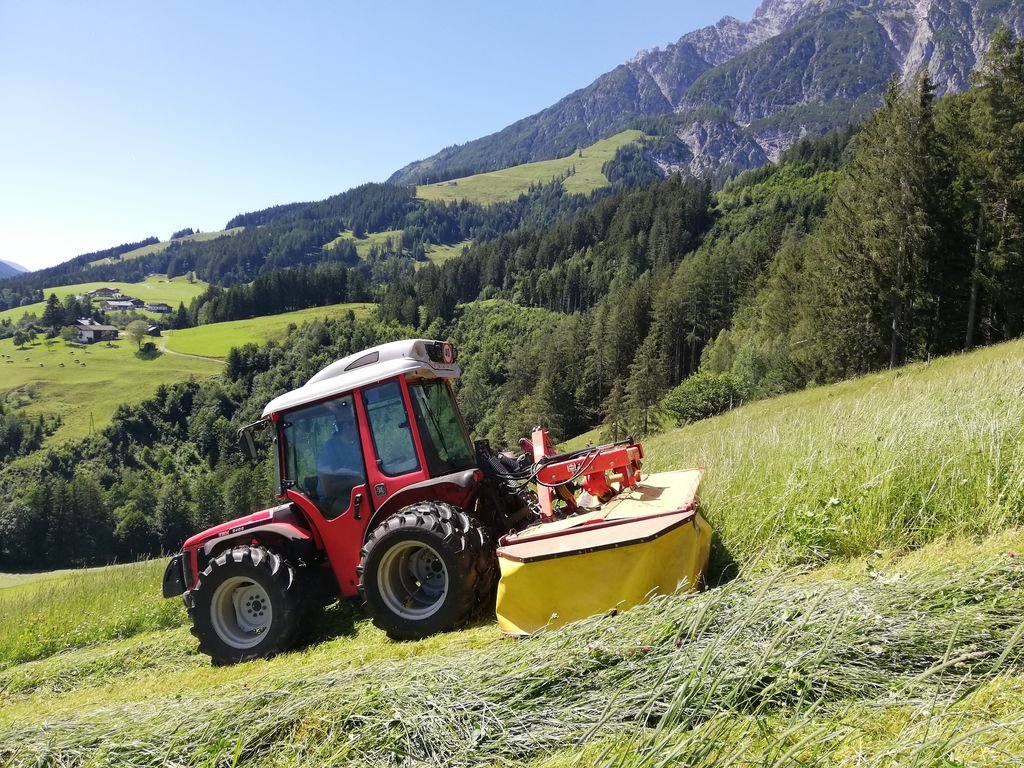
(153, 288)
(86, 393)
(510, 183)
(217, 339)
(779, 666)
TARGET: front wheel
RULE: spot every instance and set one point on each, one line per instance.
(245, 606)
(426, 569)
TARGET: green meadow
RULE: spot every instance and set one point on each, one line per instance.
(85, 384)
(866, 608)
(217, 339)
(153, 288)
(146, 250)
(437, 254)
(364, 244)
(584, 168)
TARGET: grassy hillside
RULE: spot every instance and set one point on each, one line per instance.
(438, 254)
(159, 247)
(508, 184)
(905, 648)
(364, 244)
(83, 385)
(153, 288)
(217, 339)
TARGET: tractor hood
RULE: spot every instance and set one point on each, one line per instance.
(415, 357)
(281, 520)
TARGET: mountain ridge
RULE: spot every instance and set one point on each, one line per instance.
(10, 269)
(798, 67)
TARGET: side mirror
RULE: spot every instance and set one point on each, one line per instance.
(247, 444)
(246, 441)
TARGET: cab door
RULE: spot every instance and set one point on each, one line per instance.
(323, 453)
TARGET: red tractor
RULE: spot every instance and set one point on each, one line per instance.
(384, 496)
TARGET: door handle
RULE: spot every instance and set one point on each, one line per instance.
(358, 503)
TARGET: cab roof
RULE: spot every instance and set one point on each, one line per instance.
(410, 357)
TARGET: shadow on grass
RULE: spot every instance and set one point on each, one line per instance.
(148, 354)
(722, 566)
(339, 619)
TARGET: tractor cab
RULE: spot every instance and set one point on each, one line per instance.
(368, 427)
(366, 436)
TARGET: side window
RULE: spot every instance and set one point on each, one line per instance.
(323, 457)
(389, 425)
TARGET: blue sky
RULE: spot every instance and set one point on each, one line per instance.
(124, 120)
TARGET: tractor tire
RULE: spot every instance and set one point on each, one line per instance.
(426, 569)
(246, 605)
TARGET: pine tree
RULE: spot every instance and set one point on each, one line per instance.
(614, 410)
(881, 235)
(53, 315)
(999, 114)
(646, 383)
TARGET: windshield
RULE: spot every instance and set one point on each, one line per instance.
(445, 441)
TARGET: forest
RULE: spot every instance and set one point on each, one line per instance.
(641, 308)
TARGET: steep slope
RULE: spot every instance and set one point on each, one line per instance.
(739, 93)
(908, 656)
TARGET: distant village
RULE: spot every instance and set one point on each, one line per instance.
(113, 300)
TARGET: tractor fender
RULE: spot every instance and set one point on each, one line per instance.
(458, 489)
(283, 522)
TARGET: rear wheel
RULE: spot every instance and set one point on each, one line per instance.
(427, 569)
(245, 606)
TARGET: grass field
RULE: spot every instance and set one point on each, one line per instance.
(437, 254)
(217, 339)
(508, 184)
(877, 620)
(153, 288)
(364, 245)
(83, 385)
(146, 250)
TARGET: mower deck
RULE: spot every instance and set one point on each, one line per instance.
(647, 540)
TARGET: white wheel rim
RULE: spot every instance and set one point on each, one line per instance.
(413, 580)
(241, 612)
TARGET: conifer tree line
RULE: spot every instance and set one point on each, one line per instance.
(305, 234)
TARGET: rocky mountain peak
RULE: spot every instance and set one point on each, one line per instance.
(797, 67)
(781, 14)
